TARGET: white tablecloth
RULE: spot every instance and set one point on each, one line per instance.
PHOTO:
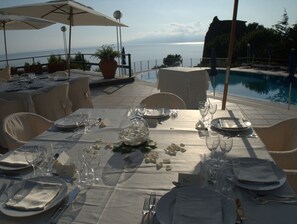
(25, 94)
(190, 84)
(119, 197)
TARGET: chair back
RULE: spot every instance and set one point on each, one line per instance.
(80, 93)
(163, 100)
(281, 136)
(8, 107)
(54, 103)
(21, 127)
(5, 73)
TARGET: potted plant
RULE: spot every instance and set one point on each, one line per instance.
(107, 64)
(55, 63)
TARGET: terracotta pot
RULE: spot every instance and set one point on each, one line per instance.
(108, 68)
(55, 67)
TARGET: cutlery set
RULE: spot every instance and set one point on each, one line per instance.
(149, 209)
(67, 202)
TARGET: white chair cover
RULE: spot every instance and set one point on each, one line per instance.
(8, 107)
(19, 128)
(163, 100)
(80, 93)
(5, 74)
(54, 103)
(281, 136)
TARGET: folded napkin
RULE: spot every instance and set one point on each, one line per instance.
(232, 123)
(196, 208)
(153, 112)
(33, 198)
(255, 172)
(15, 159)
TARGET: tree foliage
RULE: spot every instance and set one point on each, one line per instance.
(275, 42)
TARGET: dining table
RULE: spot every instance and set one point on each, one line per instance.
(190, 84)
(23, 88)
(126, 180)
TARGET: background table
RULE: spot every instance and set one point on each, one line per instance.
(190, 84)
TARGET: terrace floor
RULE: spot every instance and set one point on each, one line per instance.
(130, 94)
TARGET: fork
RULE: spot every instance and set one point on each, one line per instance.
(3, 188)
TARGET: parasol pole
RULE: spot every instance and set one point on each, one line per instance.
(69, 45)
(289, 100)
(230, 52)
(4, 31)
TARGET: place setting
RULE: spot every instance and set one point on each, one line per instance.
(32, 196)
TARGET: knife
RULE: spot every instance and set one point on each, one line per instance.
(239, 211)
(70, 198)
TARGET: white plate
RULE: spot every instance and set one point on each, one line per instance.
(59, 197)
(12, 168)
(68, 122)
(258, 186)
(156, 113)
(165, 206)
(245, 125)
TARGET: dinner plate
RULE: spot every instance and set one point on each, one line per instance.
(14, 168)
(62, 78)
(13, 89)
(156, 113)
(44, 179)
(231, 124)
(281, 176)
(69, 122)
(35, 86)
(166, 204)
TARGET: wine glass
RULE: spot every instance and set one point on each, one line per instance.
(226, 144)
(212, 108)
(86, 118)
(49, 157)
(203, 109)
(31, 156)
(212, 142)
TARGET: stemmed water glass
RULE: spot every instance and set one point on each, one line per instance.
(203, 109)
(212, 108)
(226, 144)
(212, 142)
(31, 156)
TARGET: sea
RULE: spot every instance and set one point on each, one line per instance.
(144, 56)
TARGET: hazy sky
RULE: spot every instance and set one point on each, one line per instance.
(148, 20)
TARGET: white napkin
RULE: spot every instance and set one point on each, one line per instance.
(192, 208)
(153, 112)
(35, 198)
(15, 159)
(232, 124)
(255, 172)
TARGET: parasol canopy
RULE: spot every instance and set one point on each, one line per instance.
(15, 22)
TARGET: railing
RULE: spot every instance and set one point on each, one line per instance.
(18, 64)
(146, 65)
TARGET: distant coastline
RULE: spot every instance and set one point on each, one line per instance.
(138, 51)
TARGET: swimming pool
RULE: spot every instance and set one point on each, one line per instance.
(250, 85)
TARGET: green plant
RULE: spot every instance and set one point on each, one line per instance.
(55, 59)
(172, 60)
(106, 52)
(79, 62)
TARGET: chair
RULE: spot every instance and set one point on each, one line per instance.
(292, 178)
(54, 103)
(5, 74)
(163, 100)
(80, 93)
(8, 107)
(281, 136)
(19, 128)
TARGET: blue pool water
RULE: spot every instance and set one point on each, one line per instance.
(250, 85)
